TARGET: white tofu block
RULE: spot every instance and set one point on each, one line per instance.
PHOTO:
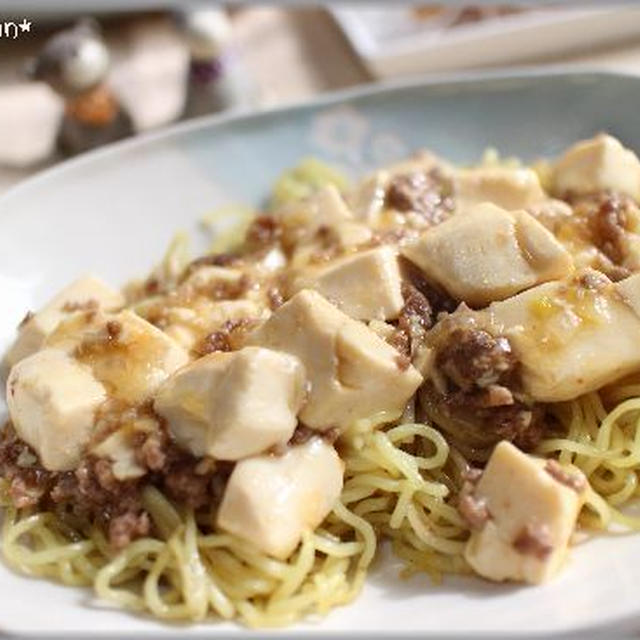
(364, 285)
(571, 337)
(130, 356)
(367, 200)
(532, 515)
(597, 164)
(489, 254)
(325, 210)
(52, 401)
(354, 373)
(271, 500)
(233, 405)
(505, 187)
(84, 291)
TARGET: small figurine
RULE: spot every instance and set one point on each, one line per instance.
(217, 80)
(75, 63)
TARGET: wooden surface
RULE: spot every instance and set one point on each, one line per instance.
(289, 54)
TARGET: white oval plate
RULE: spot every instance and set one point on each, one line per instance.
(113, 212)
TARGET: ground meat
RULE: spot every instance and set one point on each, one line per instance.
(605, 219)
(518, 423)
(474, 358)
(608, 217)
(303, 434)
(477, 400)
(93, 492)
(400, 339)
(226, 338)
(439, 300)
(185, 486)
(427, 193)
(88, 305)
(23, 494)
(609, 228)
(534, 540)
(226, 289)
(151, 453)
(263, 232)
(215, 341)
(415, 319)
(275, 297)
(474, 511)
(574, 481)
(127, 527)
(114, 329)
(422, 305)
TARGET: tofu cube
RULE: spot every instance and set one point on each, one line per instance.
(130, 356)
(84, 292)
(365, 285)
(271, 500)
(233, 405)
(502, 186)
(354, 373)
(52, 402)
(323, 218)
(595, 165)
(489, 254)
(532, 511)
(571, 337)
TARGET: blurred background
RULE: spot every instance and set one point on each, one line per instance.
(77, 75)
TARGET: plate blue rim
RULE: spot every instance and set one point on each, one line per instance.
(571, 74)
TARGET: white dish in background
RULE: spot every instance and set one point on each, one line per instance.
(114, 211)
(394, 40)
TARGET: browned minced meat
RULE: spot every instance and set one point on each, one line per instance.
(402, 361)
(227, 338)
(263, 232)
(427, 193)
(92, 491)
(415, 319)
(127, 527)
(474, 358)
(481, 402)
(303, 434)
(468, 423)
(473, 510)
(114, 329)
(608, 217)
(87, 305)
(534, 540)
(575, 481)
(215, 341)
(275, 297)
(520, 424)
(422, 305)
(226, 290)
